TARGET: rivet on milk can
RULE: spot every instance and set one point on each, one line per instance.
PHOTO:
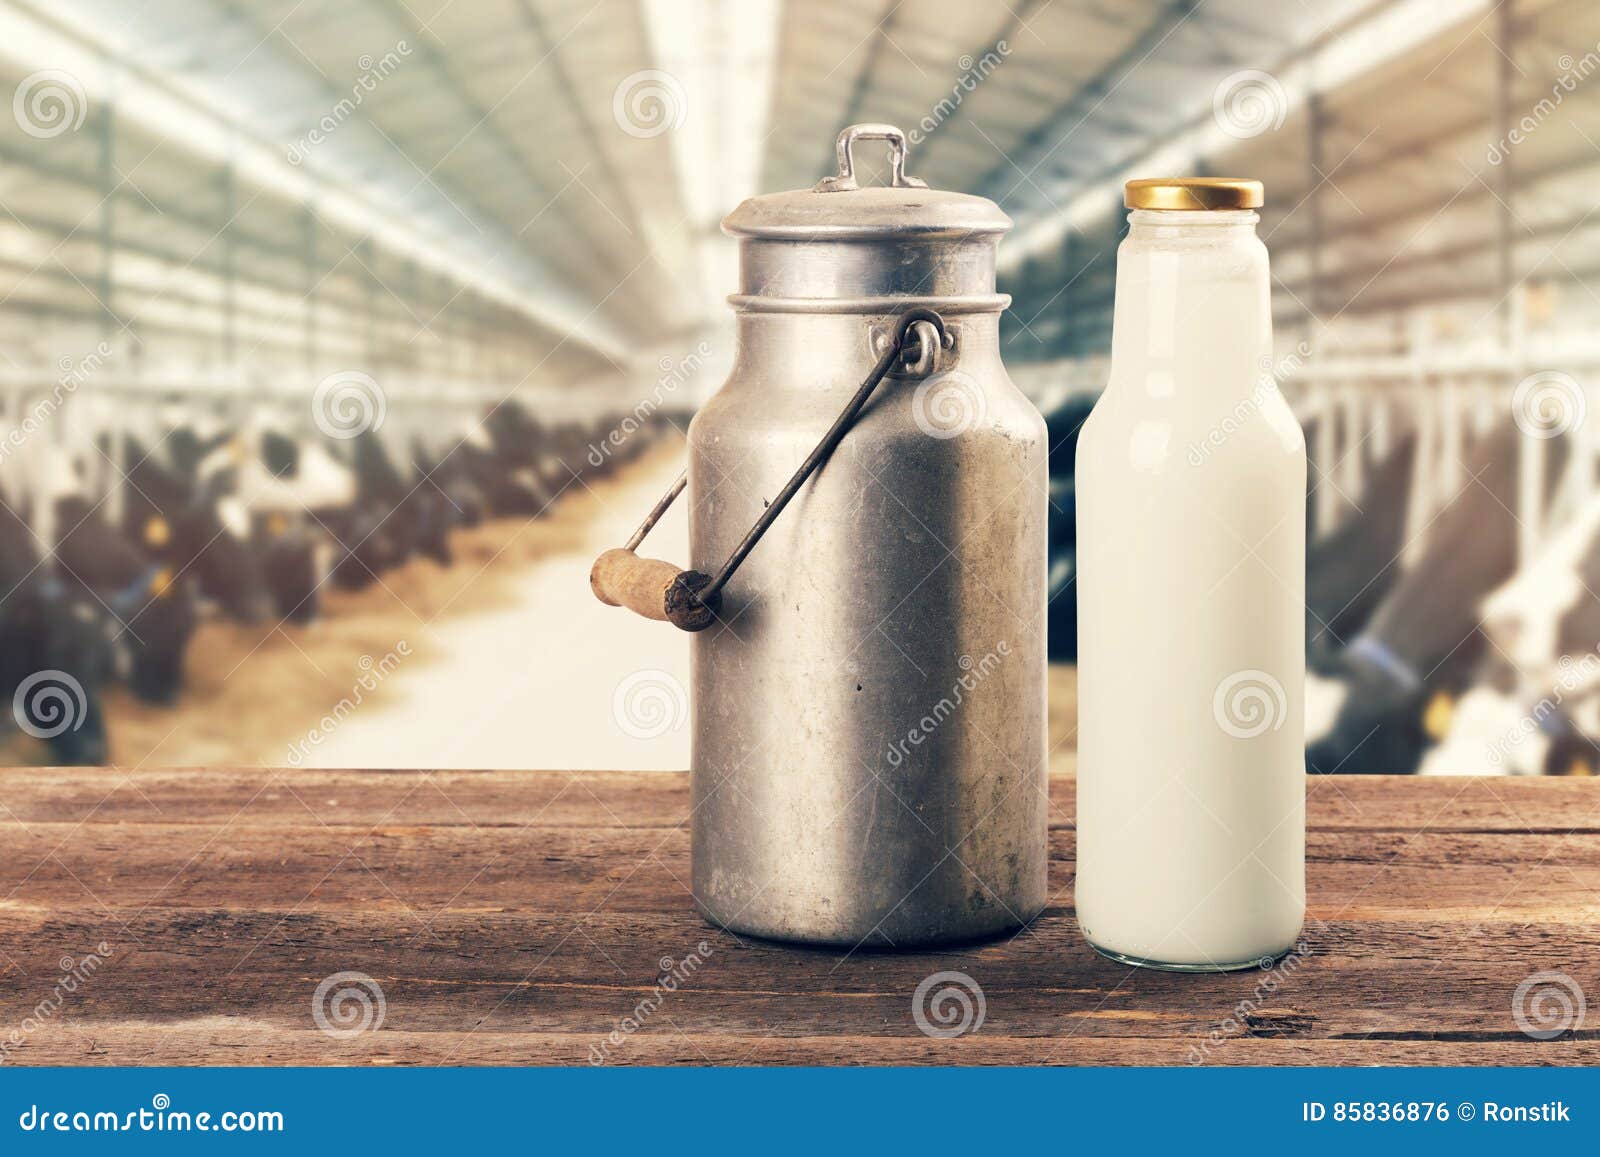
(867, 587)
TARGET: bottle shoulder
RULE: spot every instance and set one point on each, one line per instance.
(1256, 431)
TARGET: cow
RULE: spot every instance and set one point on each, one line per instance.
(296, 556)
(543, 460)
(1400, 678)
(451, 476)
(154, 607)
(1064, 423)
(1350, 570)
(189, 523)
(56, 650)
(1309, 426)
(1061, 612)
(500, 469)
(150, 603)
(415, 511)
(292, 494)
(1537, 702)
(394, 515)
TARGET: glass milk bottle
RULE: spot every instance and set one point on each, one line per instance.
(1191, 483)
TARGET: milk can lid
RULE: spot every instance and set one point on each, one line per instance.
(838, 207)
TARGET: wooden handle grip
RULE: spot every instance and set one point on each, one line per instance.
(652, 588)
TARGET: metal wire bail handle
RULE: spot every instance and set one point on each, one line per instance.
(689, 599)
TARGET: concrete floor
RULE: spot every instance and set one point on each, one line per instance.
(555, 680)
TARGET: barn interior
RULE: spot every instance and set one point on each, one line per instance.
(337, 338)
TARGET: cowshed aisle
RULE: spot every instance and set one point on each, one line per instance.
(551, 679)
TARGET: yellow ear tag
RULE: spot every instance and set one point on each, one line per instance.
(1436, 717)
(156, 532)
(1580, 766)
(238, 451)
(161, 583)
(277, 524)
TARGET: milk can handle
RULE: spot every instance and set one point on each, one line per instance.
(845, 147)
(689, 599)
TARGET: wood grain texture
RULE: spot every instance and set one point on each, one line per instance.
(648, 587)
(522, 917)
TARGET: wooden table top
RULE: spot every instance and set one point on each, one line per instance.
(522, 917)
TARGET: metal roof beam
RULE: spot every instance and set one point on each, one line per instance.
(879, 36)
(1085, 100)
(589, 130)
(451, 191)
(1018, 18)
(1353, 48)
(485, 119)
(277, 178)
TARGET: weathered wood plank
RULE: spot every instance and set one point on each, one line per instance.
(519, 917)
(557, 973)
(239, 1041)
(293, 798)
(286, 797)
(417, 869)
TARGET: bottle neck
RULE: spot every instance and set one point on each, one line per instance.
(1193, 303)
(1178, 226)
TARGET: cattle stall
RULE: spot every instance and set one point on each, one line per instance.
(147, 510)
(328, 327)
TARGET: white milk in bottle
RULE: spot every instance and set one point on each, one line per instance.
(1191, 485)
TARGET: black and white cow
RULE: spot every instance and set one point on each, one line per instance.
(1397, 682)
(504, 458)
(416, 511)
(1349, 572)
(154, 607)
(392, 516)
(289, 494)
(191, 523)
(1536, 707)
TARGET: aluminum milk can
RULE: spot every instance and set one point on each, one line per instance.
(869, 745)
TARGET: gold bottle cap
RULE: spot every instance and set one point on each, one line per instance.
(1192, 193)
